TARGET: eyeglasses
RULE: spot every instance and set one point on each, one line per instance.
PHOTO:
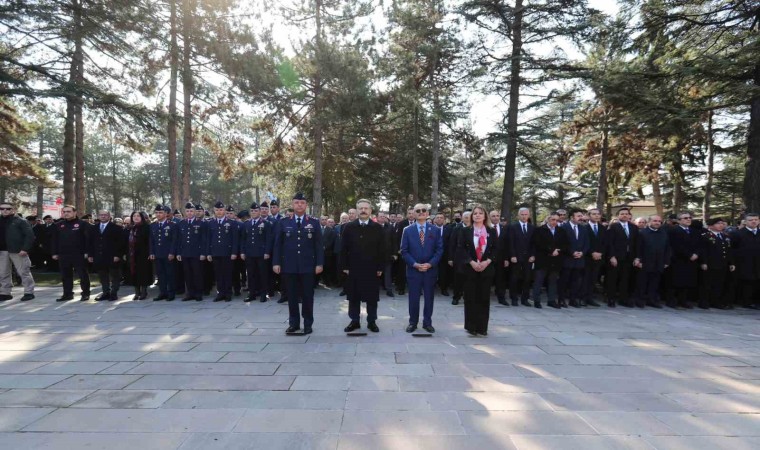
(420, 211)
(4, 208)
(686, 217)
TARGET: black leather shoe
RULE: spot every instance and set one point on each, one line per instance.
(429, 329)
(471, 333)
(292, 329)
(114, 296)
(248, 299)
(537, 305)
(160, 297)
(227, 299)
(554, 305)
(307, 330)
(455, 302)
(351, 327)
(263, 300)
(199, 299)
(592, 303)
(84, 297)
(103, 296)
(411, 328)
(401, 292)
(64, 298)
(373, 327)
(484, 334)
(5, 297)
(503, 302)
(170, 298)
(445, 293)
(389, 294)
(27, 297)
(237, 293)
(655, 305)
(342, 293)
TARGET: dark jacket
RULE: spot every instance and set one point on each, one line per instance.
(328, 239)
(465, 251)
(581, 244)
(520, 245)
(684, 272)
(545, 243)
(716, 251)
(103, 247)
(18, 235)
(653, 250)
(70, 238)
(747, 253)
(597, 241)
(619, 245)
(363, 250)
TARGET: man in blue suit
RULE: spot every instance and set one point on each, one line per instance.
(222, 249)
(421, 249)
(299, 256)
(256, 240)
(571, 277)
(163, 246)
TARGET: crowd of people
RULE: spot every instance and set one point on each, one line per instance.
(575, 258)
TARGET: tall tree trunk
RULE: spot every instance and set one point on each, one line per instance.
(416, 158)
(677, 176)
(508, 192)
(657, 193)
(78, 60)
(317, 115)
(710, 168)
(752, 174)
(601, 193)
(40, 184)
(188, 87)
(436, 150)
(115, 182)
(171, 132)
(69, 193)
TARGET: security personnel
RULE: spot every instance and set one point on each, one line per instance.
(298, 255)
(191, 249)
(163, 246)
(69, 247)
(256, 240)
(221, 250)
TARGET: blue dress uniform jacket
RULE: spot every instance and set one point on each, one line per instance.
(191, 238)
(222, 238)
(256, 238)
(163, 239)
(298, 250)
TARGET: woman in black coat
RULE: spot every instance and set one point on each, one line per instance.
(138, 251)
(477, 249)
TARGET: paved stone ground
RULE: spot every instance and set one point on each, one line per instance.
(155, 375)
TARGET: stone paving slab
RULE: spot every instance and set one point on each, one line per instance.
(206, 376)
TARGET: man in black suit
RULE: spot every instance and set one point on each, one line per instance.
(105, 248)
(400, 264)
(551, 244)
(574, 264)
(621, 250)
(443, 275)
(653, 255)
(595, 255)
(457, 274)
(716, 263)
(518, 242)
(685, 242)
(363, 256)
(390, 238)
(328, 242)
(500, 269)
(746, 245)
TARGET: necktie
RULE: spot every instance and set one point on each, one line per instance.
(422, 236)
(720, 236)
(525, 229)
(498, 230)
(102, 228)
(220, 221)
(596, 233)
(298, 220)
(627, 233)
(575, 230)
(687, 231)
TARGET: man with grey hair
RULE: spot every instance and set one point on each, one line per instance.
(520, 254)
(105, 248)
(16, 241)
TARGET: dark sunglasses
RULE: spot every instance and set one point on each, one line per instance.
(420, 211)
(5, 208)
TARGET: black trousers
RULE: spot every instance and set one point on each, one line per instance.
(194, 277)
(300, 286)
(110, 278)
(499, 279)
(477, 299)
(519, 281)
(590, 277)
(648, 288)
(400, 274)
(715, 291)
(238, 275)
(223, 273)
(208, 275)
(257, 271)
(749, 292)
(179, 277)
(444, 275)
(571, 283)
(68, 265)
(618, 280)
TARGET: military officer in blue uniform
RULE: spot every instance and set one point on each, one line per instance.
(163, 245)
(239, 278)
(207, 266)
(191, 252)
(298, 255)
(256, 240)
(179, 272)
(274, 208)
(222, 248)
(273, 279)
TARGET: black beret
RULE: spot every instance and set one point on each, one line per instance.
(274, 203)
(714, 220)
(254, 205)
(230, 208)
(199, 206)
(243, 213)
(299, 196)
(219, 205)
(167, 210)
(189, 205)
(264, 205)
(176, 211)
(158, 208)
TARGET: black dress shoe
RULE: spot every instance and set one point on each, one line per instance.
(292, 329)
(27, 297)
(373, 327)
(5, 297)
(429, 328)
(389, 294)
(592, 303)
(484, 333)
(114, 296)
(84, 297)
(503, 302)
(686, 305)
(228, 299)
(351, 327)
(64, 298)
(263, 300)
(554, 305)
(342, 293)
(411, 328)
(160, 297)
(537, 305)
(248, 299)
(445, 293)
(471, 333)
(455, 302)
(307, 330)
(103, 296)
